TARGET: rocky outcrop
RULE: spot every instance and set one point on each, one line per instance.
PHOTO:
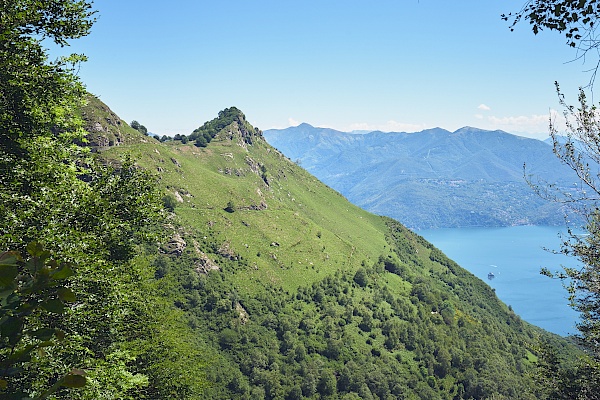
(204, 264)
(255, 207)
(226, 251)
(243, 314)
(174, 161)
(176, 245)
(178, 197)
(104, 127)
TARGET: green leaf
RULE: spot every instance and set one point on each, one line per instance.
(66, 294)
(12, 371)
(9, 300)
(35, 249)
(8, 273)
(13, 301)
(33, 265)
(62, 273)
(54, 306)
(43, 333)
(9, 258)
(46, 343)
(75, 379)
(10, 327)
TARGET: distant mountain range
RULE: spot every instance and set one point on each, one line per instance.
(433, 178)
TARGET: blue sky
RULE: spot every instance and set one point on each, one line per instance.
(387, 64)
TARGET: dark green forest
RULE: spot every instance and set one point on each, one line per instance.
(216, 268)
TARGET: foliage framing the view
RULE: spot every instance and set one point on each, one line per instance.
(97, 317)
(27, 287)
(579, 149)
(576, 19)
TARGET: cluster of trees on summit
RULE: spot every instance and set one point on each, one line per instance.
(93, 307)
(204, 134)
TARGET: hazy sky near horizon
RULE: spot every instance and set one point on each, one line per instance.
(349, 65)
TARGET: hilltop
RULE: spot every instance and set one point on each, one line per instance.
(434, 178)
(105, 128)
(296, 293)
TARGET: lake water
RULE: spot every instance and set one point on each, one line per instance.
(515, 256)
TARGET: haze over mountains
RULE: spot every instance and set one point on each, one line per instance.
(434, 178)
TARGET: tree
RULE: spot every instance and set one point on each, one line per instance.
(37, 94)
(579, 149)
(38, 100)
(169, 202)
(360, 277)
(96, 225)
(92, 214)
(201, 141)
(38, 123)
(139, 127)
(327, 384)
(576, 19)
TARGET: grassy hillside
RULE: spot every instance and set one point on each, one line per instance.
(284, 219)
(299, 294)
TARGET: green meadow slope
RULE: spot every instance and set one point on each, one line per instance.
(296, 293)
(286, 225)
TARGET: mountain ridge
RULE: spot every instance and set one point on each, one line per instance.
(412, 176)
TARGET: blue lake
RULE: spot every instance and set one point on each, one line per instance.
(515, 256)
